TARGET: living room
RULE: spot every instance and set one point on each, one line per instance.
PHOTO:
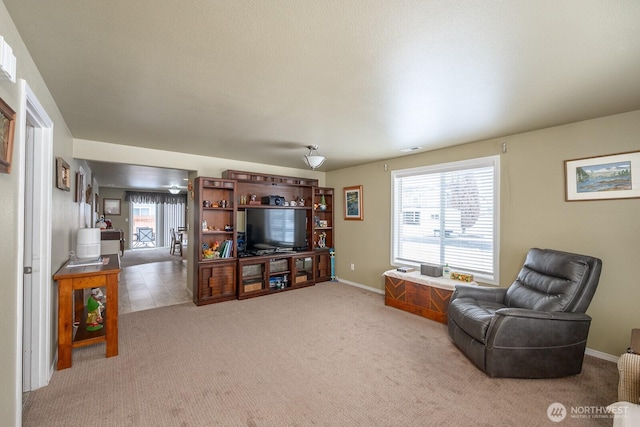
(533, 208)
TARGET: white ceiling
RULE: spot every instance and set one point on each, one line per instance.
(260, 80)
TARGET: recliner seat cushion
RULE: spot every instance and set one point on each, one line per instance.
(473, 316)
(548, 281)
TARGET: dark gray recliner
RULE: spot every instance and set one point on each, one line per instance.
(536, 328)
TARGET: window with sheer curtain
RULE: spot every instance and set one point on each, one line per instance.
(169, 212)
(448, 214)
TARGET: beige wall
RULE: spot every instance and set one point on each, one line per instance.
(533, 214)
(64, 217)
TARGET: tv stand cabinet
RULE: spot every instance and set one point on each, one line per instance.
(277, 272)
(221, 279)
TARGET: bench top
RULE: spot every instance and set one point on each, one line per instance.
(416, 277)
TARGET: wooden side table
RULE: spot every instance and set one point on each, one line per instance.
(71, 282)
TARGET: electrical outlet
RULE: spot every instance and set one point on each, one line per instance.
(353, 266)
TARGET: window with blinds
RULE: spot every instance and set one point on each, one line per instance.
(448, 214)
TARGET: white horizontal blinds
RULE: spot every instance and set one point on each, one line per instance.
(445, 214)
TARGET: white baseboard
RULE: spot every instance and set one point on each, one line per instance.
(361, 286)
(588, 351)
(601, 355)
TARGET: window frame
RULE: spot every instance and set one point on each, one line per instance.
(493, 161)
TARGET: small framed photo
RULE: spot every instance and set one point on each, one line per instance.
(63, 174)
(615, 176)
(79, 187)
(323, 223)
(353, 203)
(111, 206)
(7, 127)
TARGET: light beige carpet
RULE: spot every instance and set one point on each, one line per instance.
(329, 355)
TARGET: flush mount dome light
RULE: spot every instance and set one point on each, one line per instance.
(314, 160)
(174, 190)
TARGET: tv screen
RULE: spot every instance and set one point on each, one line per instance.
(275, 228)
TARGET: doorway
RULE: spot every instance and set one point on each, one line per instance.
(35, 202)
(143, 225)
(154, 221)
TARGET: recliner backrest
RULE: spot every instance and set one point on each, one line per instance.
(555, 281)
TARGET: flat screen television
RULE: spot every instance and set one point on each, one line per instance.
(273, 229)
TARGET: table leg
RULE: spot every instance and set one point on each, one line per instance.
(112, 315)
(65, 327)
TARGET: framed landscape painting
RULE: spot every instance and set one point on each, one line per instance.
(111, 206)
(615, 176)
(353, 203)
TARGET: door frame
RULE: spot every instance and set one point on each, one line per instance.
(41, 323)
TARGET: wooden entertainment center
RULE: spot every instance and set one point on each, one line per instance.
(221, 271)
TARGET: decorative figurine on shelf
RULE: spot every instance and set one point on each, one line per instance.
(101, 224)
(301, 202)
(323, 204)
(94, 314)
(322, 240)
(210, 252)
(98, 295)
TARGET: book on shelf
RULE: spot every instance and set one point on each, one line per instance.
(226, 249)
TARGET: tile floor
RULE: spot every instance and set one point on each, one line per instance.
(152, 285)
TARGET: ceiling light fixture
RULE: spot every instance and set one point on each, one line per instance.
(314, 160)
(410, 149)
(174, 190)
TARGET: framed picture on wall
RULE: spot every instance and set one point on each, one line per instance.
(79, 187)
(63, 174)
(7, 126)
(353, 203)
(615, 176)
(111, 206)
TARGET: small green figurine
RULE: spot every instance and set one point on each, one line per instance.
(94, 316)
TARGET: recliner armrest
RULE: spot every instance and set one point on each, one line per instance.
(533, 314)
(479, 293)
(522, 328)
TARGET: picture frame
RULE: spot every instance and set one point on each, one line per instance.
(353, 208)
(608, 177)
(7, 129)
(111, 206)
(323, 223)
(79, 187)
(63, 174)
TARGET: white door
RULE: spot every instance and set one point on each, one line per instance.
(27, 330)
(37, 323)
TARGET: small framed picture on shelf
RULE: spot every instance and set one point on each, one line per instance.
(323, 223)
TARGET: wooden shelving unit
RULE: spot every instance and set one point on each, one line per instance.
(218, 201)
(323, 231)
(215, 216)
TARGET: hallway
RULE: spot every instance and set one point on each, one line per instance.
(152, 285)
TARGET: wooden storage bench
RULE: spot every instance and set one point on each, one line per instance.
(422, 295)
